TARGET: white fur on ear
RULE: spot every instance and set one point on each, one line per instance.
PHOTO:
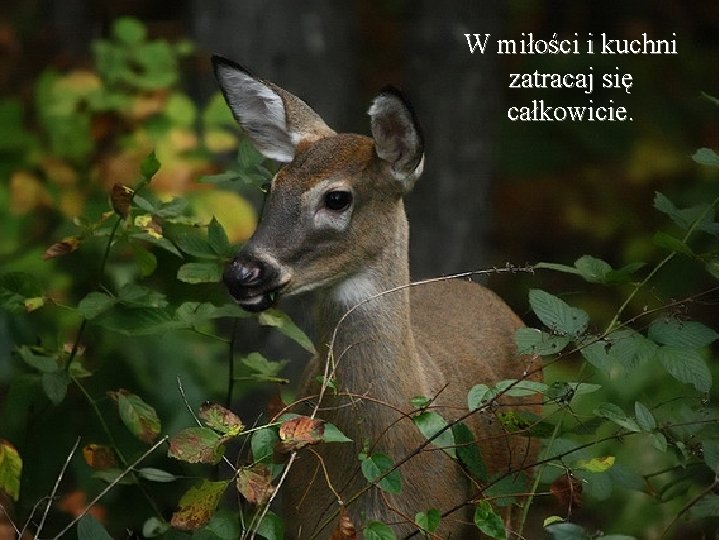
(258, 109)
(397, 134)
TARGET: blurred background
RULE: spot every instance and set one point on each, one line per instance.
(78, 112)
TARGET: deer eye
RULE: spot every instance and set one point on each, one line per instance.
(338, 200)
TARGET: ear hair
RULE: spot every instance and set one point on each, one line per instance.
(397, 134)
(275, 120)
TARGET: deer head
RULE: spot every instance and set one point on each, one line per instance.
(336, 202)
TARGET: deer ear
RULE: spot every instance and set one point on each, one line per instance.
(274, 120)
(398, 136)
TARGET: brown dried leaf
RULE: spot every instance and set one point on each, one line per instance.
(220, 419)
(68, 245)
(121, 196)
(345, 529)
(196, 445)
(301, 431)
(75, 504)
(254, 483)
(99, 456)
(568, 491)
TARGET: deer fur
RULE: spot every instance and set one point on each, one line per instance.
(437, 339)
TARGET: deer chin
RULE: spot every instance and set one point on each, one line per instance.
(254, 301)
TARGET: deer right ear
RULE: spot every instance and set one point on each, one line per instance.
(274, 120)
(398, 136)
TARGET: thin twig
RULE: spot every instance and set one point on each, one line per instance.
(689, 505)
(111, 485)
(56, 486)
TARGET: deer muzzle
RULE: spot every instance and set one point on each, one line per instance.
(253, 283)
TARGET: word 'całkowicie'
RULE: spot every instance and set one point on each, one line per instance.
(539, 112)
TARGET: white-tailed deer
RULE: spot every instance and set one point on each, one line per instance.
(334, 223)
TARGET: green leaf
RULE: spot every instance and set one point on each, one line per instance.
(567, 531)
(552, 519)
(286, 326)
(89, 528)
(593, 270)
(705, 156)
(468, 452)
(137, 321)
(10, 470)
(373, 467)
(669, 242)
(262, 444)
(55, 386)
(533, 341)
(430, 424)
(94, 304)
(478, 394)
(334, 435)
(129, 31)
(262, 367)
(149, 166)
(144, 259)
(681, 334)
(685, 217)
(218, 239)
(615, 414)
(137, 295)
(197, 445)
(271, 527)
(225, 525)
(630, 348)
(428, 521)
(659, 441)
(520, 388)
(197, 505)
(41, 362)
(420, 402)
(156, 475)
(376, 530)
(710, 453)
(198, 272)
(557, 315)
(597, 355)
(139, 417)
(558, 267)
(488, 521)
(504, 492)
(705, 507)
(644, 417)
(686, 365)
(675, 488)
(190, 240)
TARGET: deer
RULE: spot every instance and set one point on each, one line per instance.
(334, 224)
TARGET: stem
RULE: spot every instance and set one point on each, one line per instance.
(231, 363)
(690, 231)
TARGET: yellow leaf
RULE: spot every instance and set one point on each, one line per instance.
(220, 141)
(596, 465)
(27, 193)
(233, 212)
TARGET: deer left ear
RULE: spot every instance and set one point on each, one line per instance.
(398, 136)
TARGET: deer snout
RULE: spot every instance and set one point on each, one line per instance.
(252, 282)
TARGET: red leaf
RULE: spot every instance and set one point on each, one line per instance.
(254, 483)
(68, 245)
(345, 529)
(301, 431)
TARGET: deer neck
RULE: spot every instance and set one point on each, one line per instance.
(372, 345)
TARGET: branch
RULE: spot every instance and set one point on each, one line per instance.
(56, 486)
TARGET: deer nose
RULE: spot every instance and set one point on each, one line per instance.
(245, 272)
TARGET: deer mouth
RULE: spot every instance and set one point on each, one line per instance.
(255, 300)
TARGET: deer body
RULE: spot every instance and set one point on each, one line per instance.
(335, 223)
